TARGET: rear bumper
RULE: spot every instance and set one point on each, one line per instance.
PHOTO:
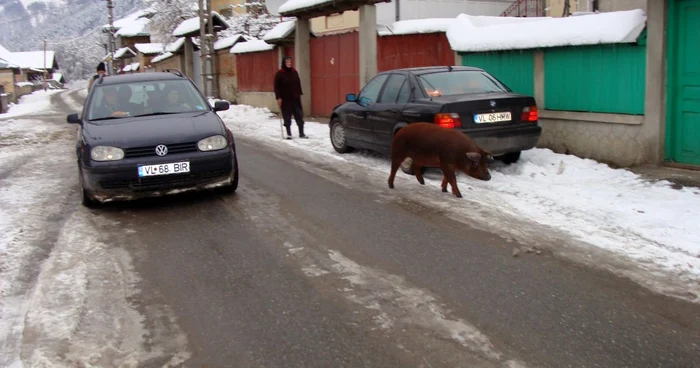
(501, 140)
(120, 181)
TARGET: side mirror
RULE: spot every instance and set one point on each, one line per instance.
(73, 119)
(364, 101)
(221, 105)
(350, 97)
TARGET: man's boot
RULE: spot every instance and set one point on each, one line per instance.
(301, 131)
(289, 131)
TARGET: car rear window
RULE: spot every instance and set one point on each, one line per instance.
(459, 82)
(148, 97)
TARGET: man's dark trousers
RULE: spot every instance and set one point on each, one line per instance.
(293, 109)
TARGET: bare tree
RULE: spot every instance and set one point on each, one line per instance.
(169, 14)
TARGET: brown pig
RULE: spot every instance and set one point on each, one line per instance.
(431, 145)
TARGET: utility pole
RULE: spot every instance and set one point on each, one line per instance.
(211, 36)
(44, 63)
(112, 46)
(206, 33)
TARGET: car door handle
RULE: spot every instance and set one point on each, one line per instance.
(411, 113)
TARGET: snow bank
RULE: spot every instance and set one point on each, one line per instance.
(471, 34)
(650, 224)
(280, 31)
(149, 48)
(414, 26)
(228, 42)
(292, 5)
(251, 46)
(35, 103)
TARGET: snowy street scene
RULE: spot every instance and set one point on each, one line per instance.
(186, 191)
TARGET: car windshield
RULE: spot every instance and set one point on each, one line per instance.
(144, 98)
(459, 82)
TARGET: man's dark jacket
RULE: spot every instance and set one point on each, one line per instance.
(287, 86)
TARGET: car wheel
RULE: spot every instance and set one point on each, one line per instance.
(509, 158)
(338, 139)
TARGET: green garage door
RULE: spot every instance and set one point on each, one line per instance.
(683, 122)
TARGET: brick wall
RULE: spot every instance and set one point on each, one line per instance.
(8, 82)
(228, 81)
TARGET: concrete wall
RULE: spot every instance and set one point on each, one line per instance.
(619, 5)
(173, 62)
(228, 82)
(259, 99)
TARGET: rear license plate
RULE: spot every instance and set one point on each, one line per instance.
(164, 169)
(494, 117)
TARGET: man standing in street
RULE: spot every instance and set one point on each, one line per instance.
(101, 70)
(288, 94)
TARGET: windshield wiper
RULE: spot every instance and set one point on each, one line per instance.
(159, 113)
(109, 118)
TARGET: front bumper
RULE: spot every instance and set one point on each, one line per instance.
(106, 181)
(502, 140)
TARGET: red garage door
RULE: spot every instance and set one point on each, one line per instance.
(256, 71)
(335, 71)
(415, 50)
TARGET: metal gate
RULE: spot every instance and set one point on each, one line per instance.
(335, 70)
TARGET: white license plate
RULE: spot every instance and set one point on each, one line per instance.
(164, 169)
(494, 117)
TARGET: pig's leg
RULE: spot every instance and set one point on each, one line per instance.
(418, 171)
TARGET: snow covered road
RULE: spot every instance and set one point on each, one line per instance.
(576, 207)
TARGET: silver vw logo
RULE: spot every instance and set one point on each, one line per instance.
(492, 103)
(161, 150)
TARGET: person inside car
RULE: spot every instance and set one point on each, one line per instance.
(110, 105)
(174, 101)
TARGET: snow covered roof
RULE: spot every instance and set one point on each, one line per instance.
(292, 5)
(175, 46)
(162, 57)
(131, 18)
(227, 42)
(122, 52)
(280, 31)
(33, 59)
(131, 67)
(149, 48)
(57, 76)
(414, 26)
(192, 25)
(137, 27)
(471, 34)
(251, 46)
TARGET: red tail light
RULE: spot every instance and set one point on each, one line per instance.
(447, 120)
(529, 114)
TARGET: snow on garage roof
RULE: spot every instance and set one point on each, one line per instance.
(33, 59)
(470, 34)
(176, 45)
(162, 57)
(292, 5)
(121, 52)
(192, 25)
(413, 26)
(251, 46)
(149, 48)
(280, 31)
(227, 42)
(137, 27)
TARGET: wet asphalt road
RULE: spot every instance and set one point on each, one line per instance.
(297, 270)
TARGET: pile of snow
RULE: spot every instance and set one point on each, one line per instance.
(609, 209)
(414, 26)
(251, 46)
(280, 31)
(33, 103)
(228, 42)
(472, 34)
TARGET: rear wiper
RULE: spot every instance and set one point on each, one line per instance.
(158, 113)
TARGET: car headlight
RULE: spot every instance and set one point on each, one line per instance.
(106, 153)
(213, 143)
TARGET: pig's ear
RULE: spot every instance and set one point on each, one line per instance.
(474, 156)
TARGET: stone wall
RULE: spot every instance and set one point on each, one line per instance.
(228, 81)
